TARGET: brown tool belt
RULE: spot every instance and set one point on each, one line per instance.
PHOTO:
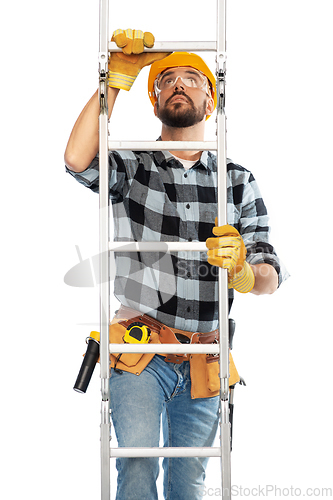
(169, 335)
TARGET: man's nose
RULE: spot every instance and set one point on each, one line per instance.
(179, 84)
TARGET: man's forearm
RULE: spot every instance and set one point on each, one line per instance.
(266, 279)
(83, 143)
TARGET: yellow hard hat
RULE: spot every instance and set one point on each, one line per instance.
(179, 59)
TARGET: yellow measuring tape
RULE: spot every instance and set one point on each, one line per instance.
(137, 333)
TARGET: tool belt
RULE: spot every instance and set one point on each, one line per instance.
(204, 368)
(169, 335)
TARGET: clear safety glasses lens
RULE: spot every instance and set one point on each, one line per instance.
(192, 79)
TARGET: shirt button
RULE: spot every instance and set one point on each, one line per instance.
(190, 239)
(188, 205)
(185, 175)
(188, 274)
(188, 309)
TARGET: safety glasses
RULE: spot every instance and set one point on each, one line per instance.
(189, 76)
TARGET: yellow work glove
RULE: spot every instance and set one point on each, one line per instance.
(227, 250)
(125, 66)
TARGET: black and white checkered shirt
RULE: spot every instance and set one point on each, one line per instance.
(155, 199)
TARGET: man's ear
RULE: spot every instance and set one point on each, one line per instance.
(210, 106)
(155, 108)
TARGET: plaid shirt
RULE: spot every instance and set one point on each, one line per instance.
(155, 199)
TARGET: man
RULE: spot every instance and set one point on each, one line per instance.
(171, 196)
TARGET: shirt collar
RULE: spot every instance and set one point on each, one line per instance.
(205, 160)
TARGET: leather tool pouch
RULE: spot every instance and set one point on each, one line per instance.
(212, 361)
(130, 362)
(169, 336)
(205, 368)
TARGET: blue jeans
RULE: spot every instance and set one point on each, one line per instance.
(137, 403)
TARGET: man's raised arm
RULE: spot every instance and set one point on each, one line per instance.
(83, 143)
(124, 67)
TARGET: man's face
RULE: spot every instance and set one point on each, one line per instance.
(182, 101)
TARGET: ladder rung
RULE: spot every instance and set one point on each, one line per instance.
(162, 145)
(174, 47)
(165, 452)
(166, 348)
(157, 246)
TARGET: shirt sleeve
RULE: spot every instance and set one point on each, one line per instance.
(117, 176)
(254, 227)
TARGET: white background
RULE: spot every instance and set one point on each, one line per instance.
(279, 107)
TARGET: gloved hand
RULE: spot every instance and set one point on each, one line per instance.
(227, 250)
(125, 66)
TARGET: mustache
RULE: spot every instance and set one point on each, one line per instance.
(182, 93)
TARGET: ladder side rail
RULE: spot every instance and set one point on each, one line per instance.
(223, 275)
(104, 253)
(104, 213)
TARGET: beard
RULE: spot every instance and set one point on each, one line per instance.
(177, 115)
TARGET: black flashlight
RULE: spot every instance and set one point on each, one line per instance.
(88, 364)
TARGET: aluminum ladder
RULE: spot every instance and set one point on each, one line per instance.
(223, 451)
